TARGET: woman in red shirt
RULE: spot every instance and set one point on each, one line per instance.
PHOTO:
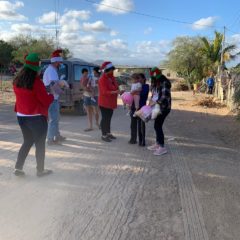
(107, 99)
(32, 102)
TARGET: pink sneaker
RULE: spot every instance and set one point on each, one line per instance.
(160, 151)
(153, 147)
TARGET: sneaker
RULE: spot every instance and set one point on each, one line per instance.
(44, 172)
(18, 172)
(53, 142)
(132, 141)
(106, 139)
(88, 129)
(153, 147)
(160, 151)
(60, 138)
(111, 136)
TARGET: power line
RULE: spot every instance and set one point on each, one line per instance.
(232, 31)
(236, 19)
(152, 16)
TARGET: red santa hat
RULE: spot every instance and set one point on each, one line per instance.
(55, 56)
(107, 65)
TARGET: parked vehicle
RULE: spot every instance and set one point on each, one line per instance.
(71, 71)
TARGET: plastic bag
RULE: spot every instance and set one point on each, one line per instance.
(155, 111)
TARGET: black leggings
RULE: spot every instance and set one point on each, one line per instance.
(106, 120)
(158, 124)
(34, 130)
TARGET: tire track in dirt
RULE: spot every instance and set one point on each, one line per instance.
(194, 225)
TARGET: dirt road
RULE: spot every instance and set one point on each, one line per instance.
(121, 191)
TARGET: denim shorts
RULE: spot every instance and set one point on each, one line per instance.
(89, 102)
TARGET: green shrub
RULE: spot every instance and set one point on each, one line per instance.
(179, 86)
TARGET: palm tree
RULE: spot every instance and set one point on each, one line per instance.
(212, 50)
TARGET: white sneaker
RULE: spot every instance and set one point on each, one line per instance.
(160, 151)
(153, 147)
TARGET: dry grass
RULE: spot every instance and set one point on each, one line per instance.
(209, 102)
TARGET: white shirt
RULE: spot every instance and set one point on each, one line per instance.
(155, 95)
(50, 75)
(136, 86)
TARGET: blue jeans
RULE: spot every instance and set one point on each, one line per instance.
(53, 123)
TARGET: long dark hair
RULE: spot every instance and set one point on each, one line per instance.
(142, 75)
(25, 78)
(155, 83)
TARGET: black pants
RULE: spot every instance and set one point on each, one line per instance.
(137, 128)
(106, 120)
(34, 130)
(210, 89)
(158, 124)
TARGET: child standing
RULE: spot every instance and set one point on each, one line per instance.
(210, 84)
(136, 88)
(87, 98)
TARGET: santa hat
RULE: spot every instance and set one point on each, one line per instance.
(55, 56)
(155, 72)
(106, 66)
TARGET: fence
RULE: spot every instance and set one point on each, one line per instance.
(6, 90)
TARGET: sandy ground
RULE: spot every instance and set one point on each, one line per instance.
(119, 191)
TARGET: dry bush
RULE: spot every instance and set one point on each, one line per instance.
(179, 85)
(209, 102)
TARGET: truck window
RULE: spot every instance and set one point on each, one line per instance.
(77, 71)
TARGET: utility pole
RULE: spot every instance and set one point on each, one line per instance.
(223, 46)
(220, 91)
(57, 23)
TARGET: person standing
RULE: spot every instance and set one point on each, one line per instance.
(95, 79)
(161, 94)
(32, 102)
(210, 84)
(107, 99)
(137, 124)
(88, 97)
(50, 77)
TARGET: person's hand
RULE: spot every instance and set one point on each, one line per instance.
(121, 92)
(115, 92)
(151, 103)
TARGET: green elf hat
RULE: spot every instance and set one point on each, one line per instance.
(32, 61)
(155, 72)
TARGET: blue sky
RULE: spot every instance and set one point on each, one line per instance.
(101, 31)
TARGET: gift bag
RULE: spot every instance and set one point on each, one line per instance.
(144, 113)
(56, 88)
